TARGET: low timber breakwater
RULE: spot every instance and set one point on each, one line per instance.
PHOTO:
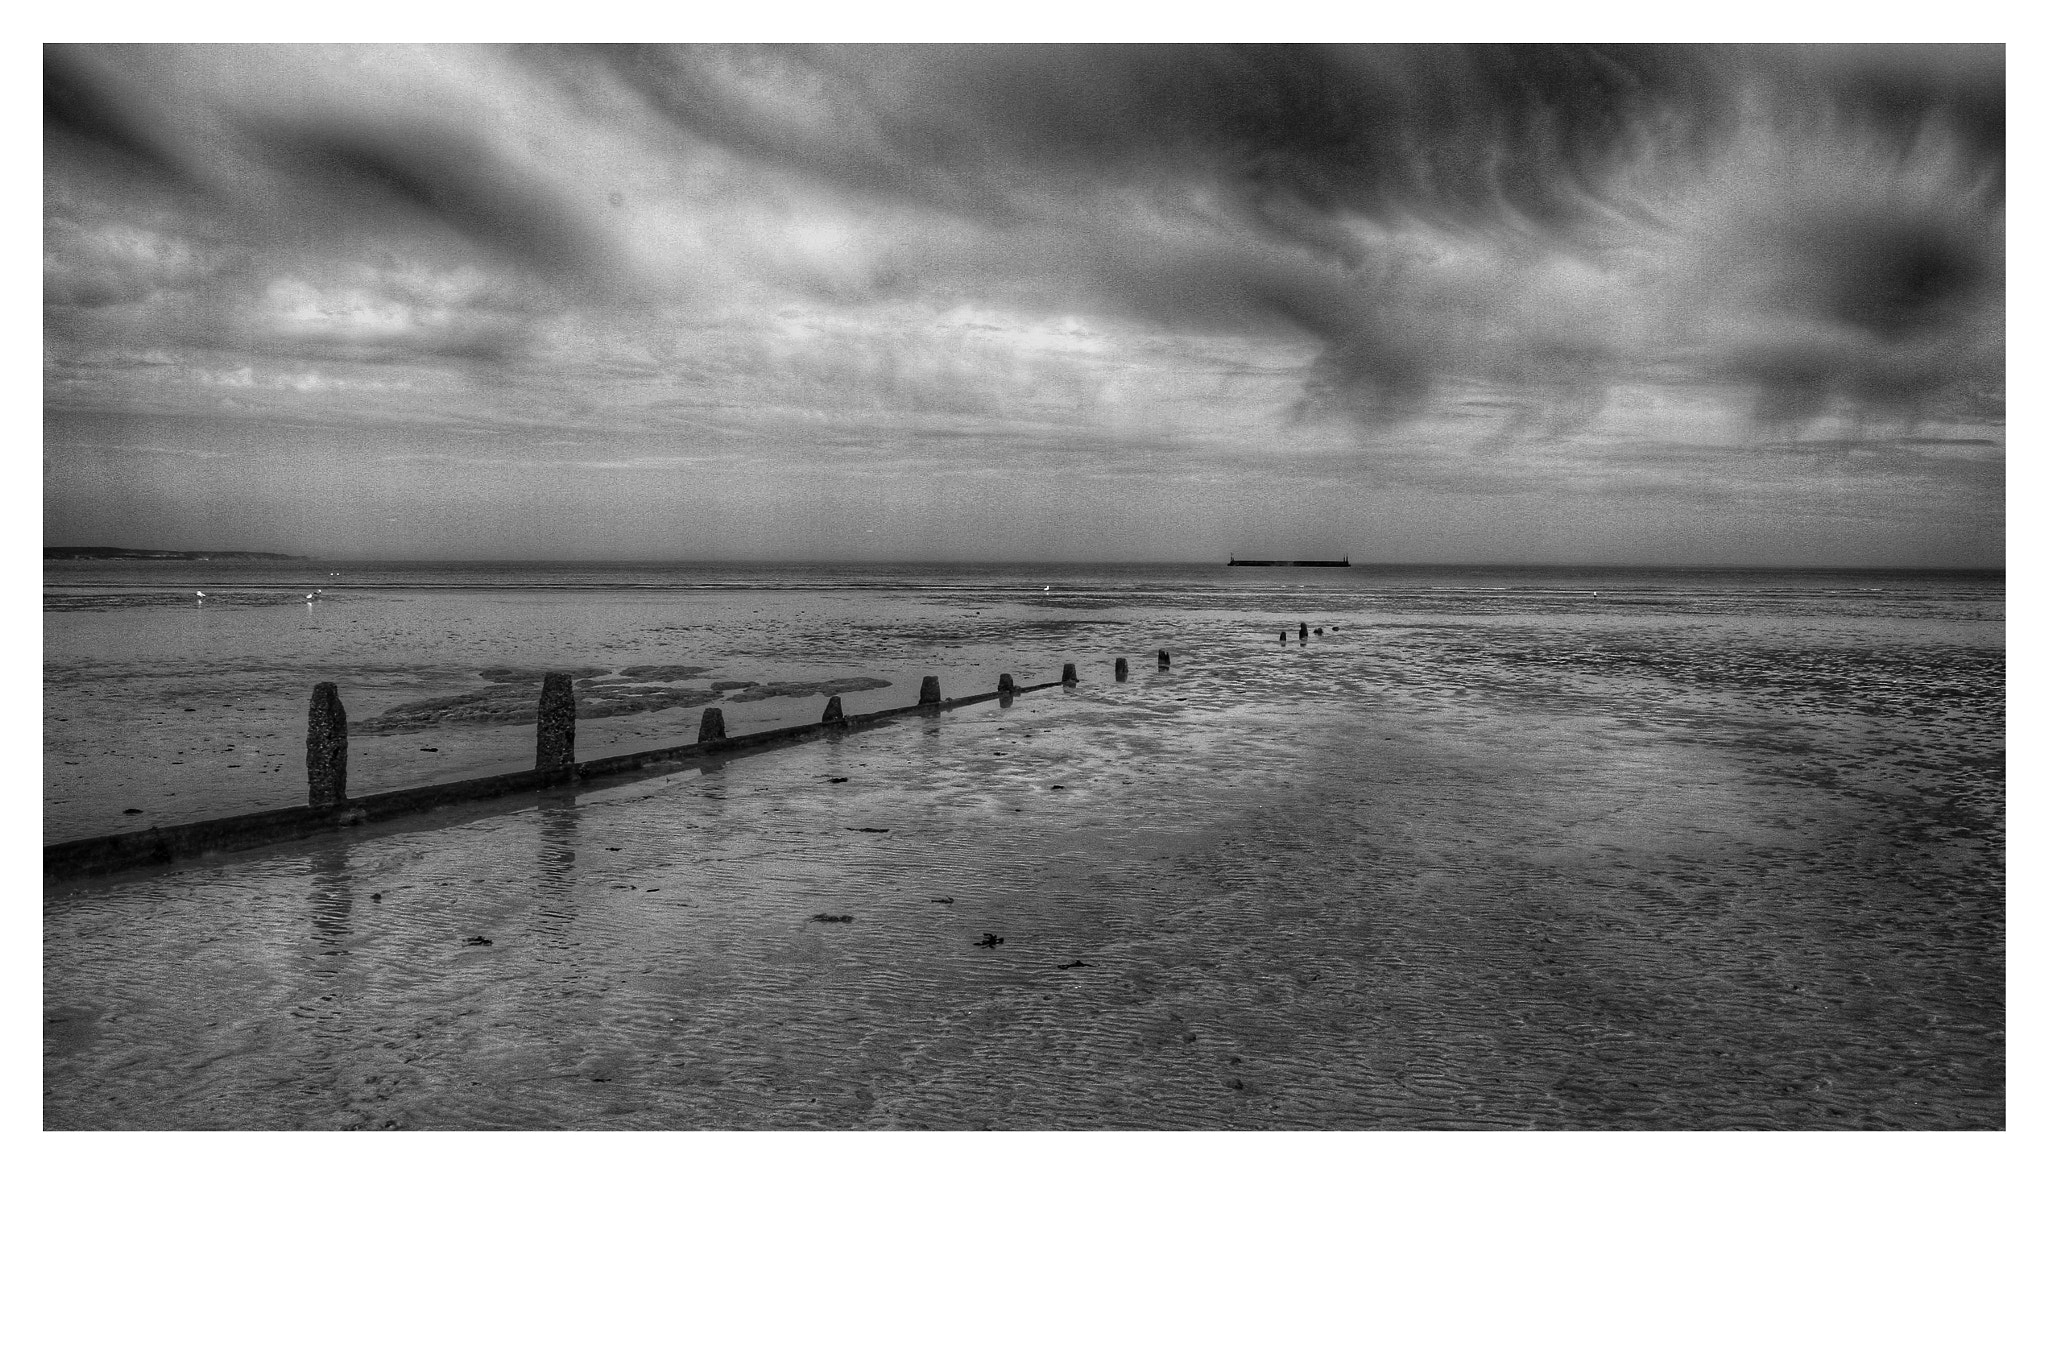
(330, 808)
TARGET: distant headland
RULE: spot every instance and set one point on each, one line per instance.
(114, 552)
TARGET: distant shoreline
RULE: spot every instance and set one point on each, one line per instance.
(1034, 566)
(114, 552)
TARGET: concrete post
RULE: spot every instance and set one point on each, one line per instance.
(712, 727)
(1006, 684)
(1068, 676)
(833, 711)
(928, 691)
(1123, 668)
(1165, 660)
(555, 739)
(326, 748)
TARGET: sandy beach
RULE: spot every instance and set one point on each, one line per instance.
(1614, 867)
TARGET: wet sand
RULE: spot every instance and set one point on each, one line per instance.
(158, 714)
(1573, 870)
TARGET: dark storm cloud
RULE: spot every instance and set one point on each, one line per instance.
(1902, 88)
(294, 231)
(1452, 132)
(110, 115)
(1305, 152)
(90, 113)
(367, 175)
(1385, 201)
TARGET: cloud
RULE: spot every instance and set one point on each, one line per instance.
(1429, 261)
(1533, 216)
(91, 114)
(409, 177)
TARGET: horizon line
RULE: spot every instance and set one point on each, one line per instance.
(1998, 567)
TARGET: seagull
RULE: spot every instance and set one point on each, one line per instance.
(202, 592)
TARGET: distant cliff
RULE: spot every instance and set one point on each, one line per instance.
(114, 552)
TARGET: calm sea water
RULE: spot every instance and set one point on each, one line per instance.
(1501, 847)
(80, 583)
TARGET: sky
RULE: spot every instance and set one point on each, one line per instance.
(1427, 304)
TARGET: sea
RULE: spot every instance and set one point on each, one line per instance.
(1377, 847)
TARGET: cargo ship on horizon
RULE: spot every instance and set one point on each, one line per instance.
(1236, 563)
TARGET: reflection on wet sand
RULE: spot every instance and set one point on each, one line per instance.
(330, 898)
(554, 879)
(329, 1000)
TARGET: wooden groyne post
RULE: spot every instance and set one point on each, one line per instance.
(326, 748)
(1006, 684)
(834, 713)
(1123, 668)
(1165, 661)
(1068, 676)
(928, 691)
(712, 726)
(555, 738)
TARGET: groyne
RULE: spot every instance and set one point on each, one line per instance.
(330, 808)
